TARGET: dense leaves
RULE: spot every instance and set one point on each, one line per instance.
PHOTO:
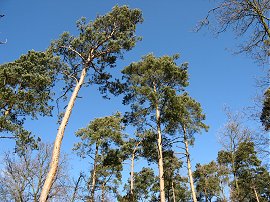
(249, 177)
(98, 45)
(152, 82)
(26, 90)
(101, 141)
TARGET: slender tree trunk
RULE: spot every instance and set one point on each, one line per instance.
(76, 188)
(160, 156)
(132, 170)
(174, 199)
(58, 141)
(94, 180)
(189, 168)
(256, 194)
(160, 164)
(132, 175)
(103, 193)
(234, 176)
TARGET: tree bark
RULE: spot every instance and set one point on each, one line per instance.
(256, 194)
(132, 170)
(132, 174)
(103, 193)
(160, 156)
(94, 180)
(58, 141)
(174, 199)
(189, 168)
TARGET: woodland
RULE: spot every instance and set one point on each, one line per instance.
(153, 162)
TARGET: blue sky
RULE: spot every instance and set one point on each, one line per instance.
(217, 77)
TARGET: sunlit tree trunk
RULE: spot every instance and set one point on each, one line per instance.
(160, 156)
(132, 170)
(189, 167)
(93, 185)
(174, 199)
(58, 141)
(256, 194)
(103, 193)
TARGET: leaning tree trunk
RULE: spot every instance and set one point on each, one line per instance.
(160, 156)
(58, 140)
(189, 168)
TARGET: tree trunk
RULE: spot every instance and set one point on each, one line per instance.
(76, 188)
(189, 168)
(174, 199)
(94, 180)
(132, 170)
(256, 194)
(103, 193)
(58, 140)
(132, 176)
(160, 156)
(234, 176)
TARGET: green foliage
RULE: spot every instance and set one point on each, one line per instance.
(101, 141)
(184, 113)
(101, 131)
(208, 181)
(26, 91)
(265, 115)
(150, 83)
(98, 45)
(175, 184)
(248, 172)
(145, 183)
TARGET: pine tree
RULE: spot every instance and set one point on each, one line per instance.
(185, 118)
(26, 91)
(99, 44)
(149, 84)
(101, 140)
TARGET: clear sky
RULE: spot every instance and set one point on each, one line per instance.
(217, 77)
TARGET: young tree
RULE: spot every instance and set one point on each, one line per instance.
(246, 18)
(143, 186)
(101, 141)
(132, 150)
(22, 177)
(232, 134)
(97, 46)
(175, 185)
(208, 180)
(25, 91)
(149, 84)
(184, 115)
(250, 180)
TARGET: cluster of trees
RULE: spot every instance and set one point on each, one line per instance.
(164, 116)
